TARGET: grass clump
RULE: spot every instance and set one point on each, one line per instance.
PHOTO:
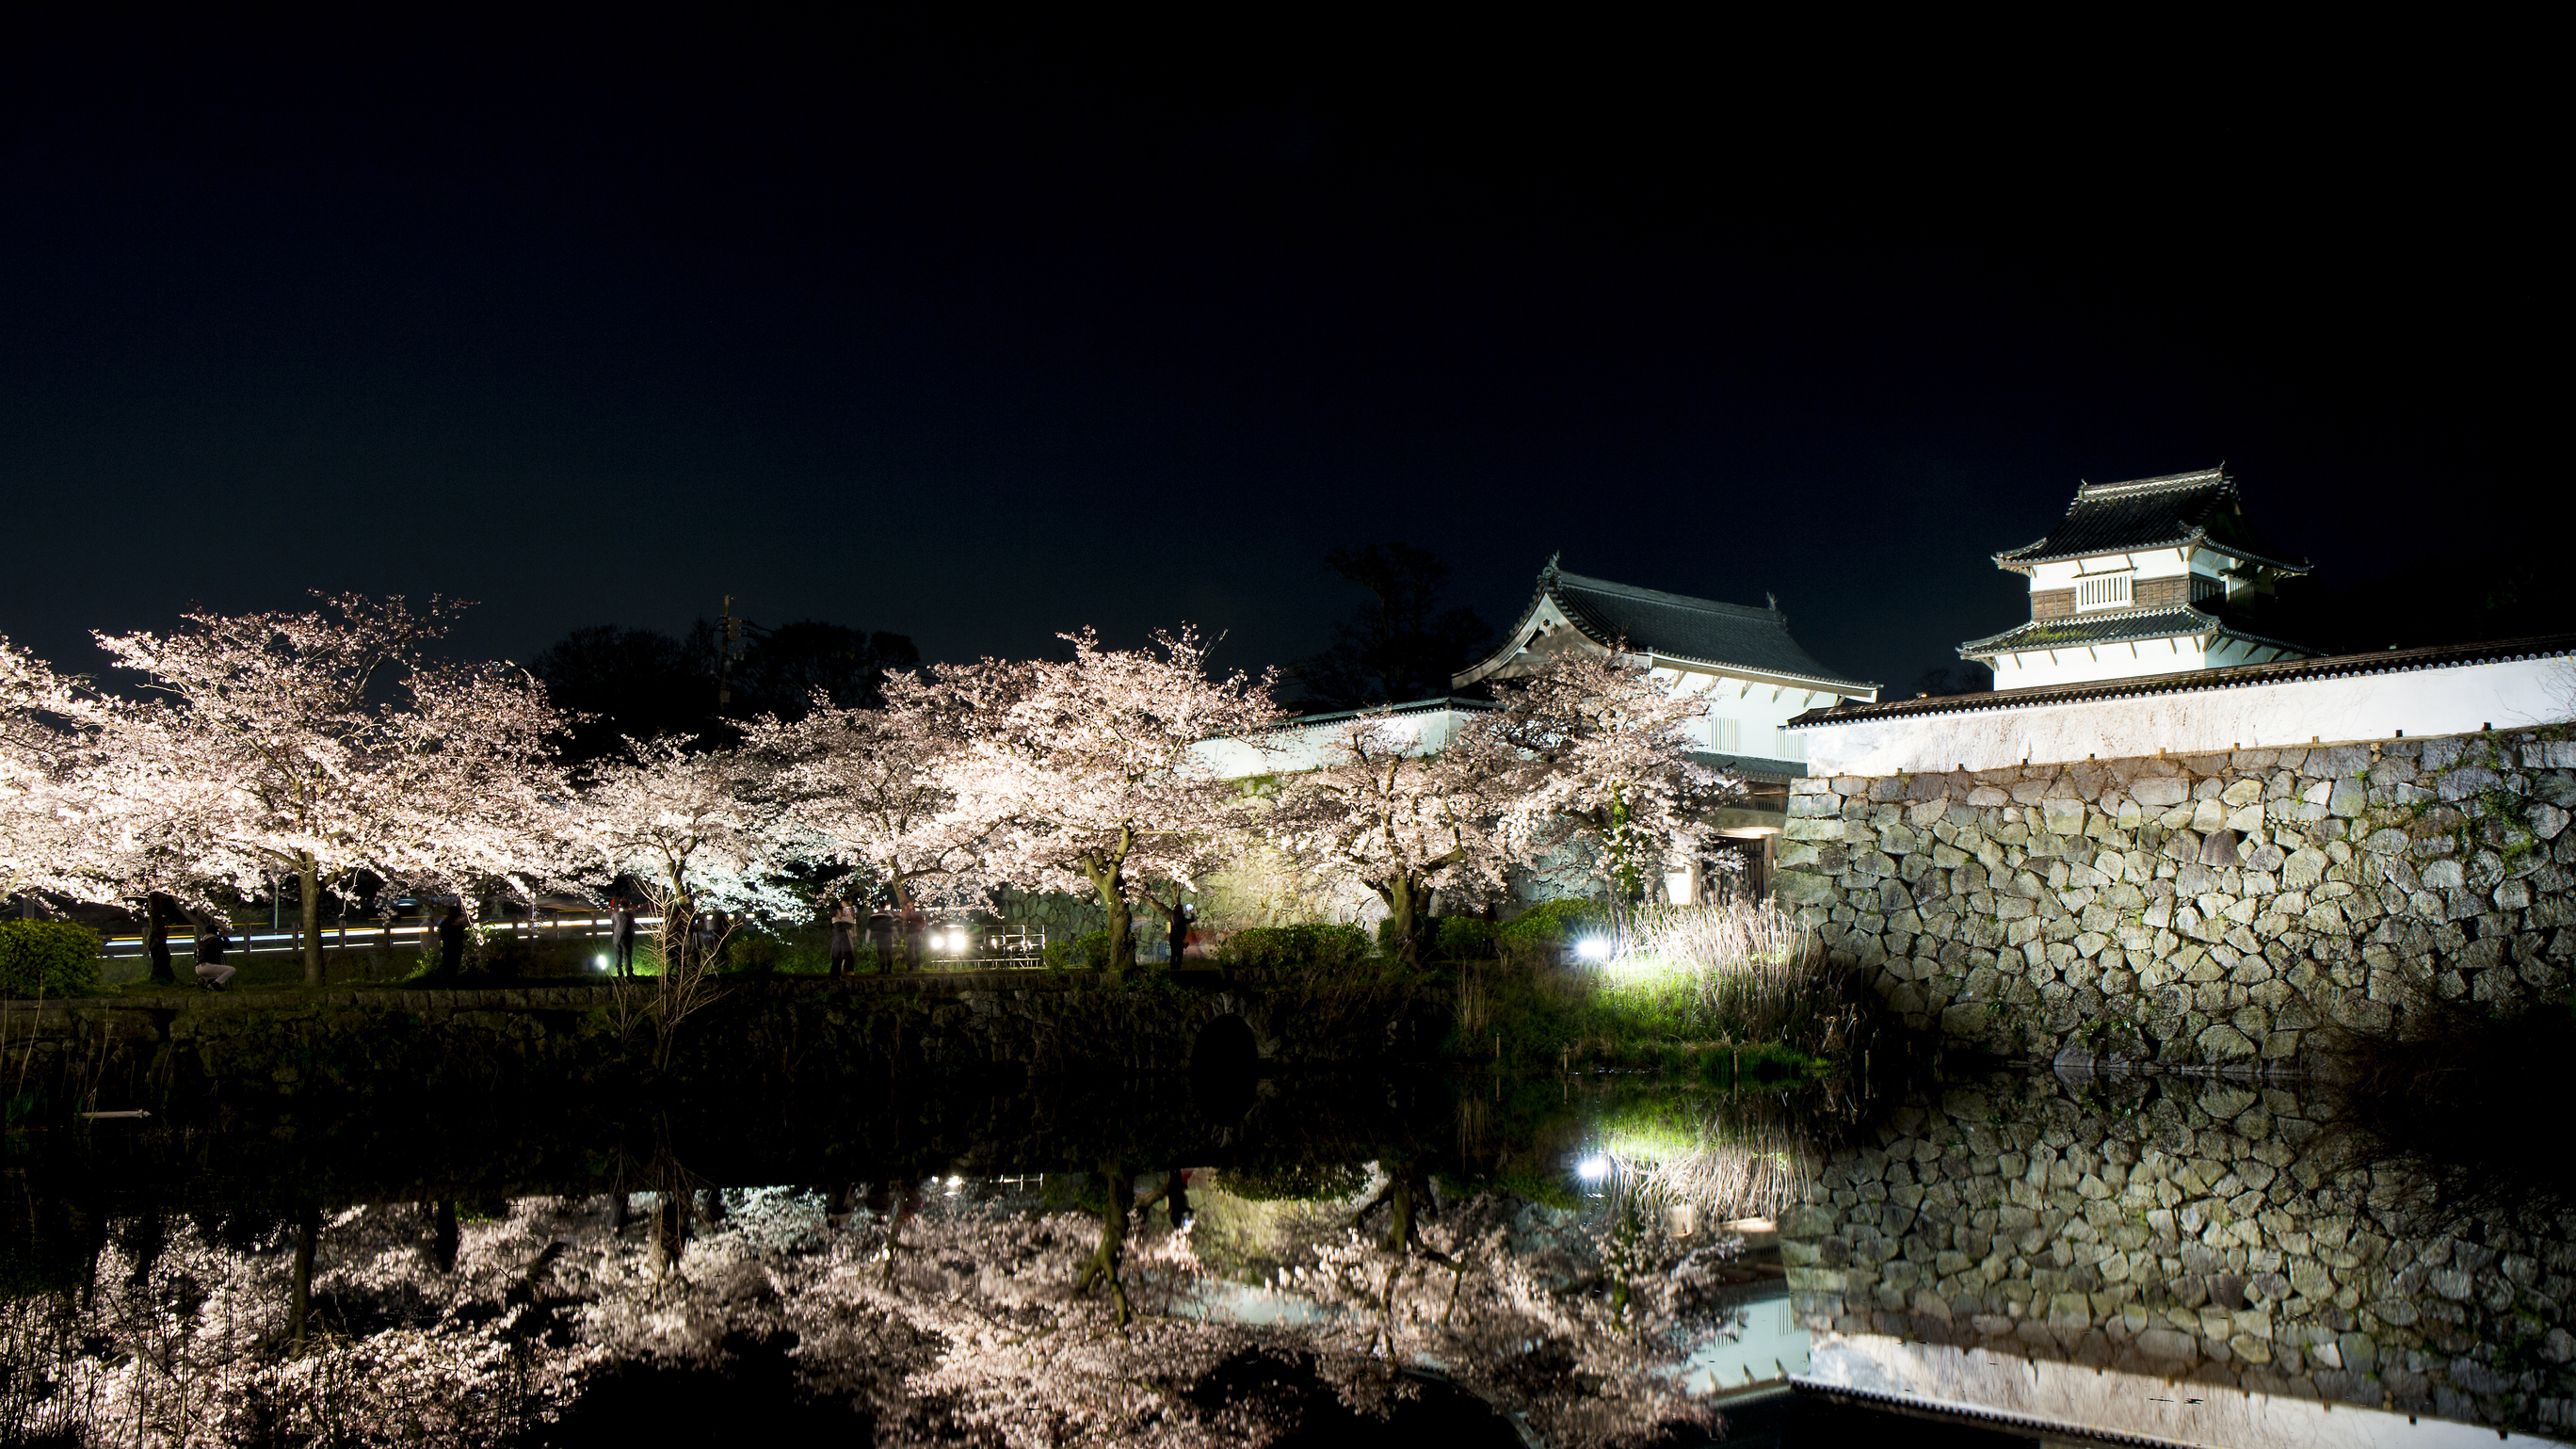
(1725, 993)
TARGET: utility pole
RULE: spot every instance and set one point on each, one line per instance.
(728, 645)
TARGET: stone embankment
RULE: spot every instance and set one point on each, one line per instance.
(2198, 909)
(2202, 1233)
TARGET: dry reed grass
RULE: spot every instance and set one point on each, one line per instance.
(1754, 972)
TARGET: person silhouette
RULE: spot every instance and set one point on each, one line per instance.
(621, 934)
(845, 946)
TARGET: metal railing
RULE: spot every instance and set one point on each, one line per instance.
(987, 948)
(348, 936)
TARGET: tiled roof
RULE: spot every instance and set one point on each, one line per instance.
(1415, 706)
(2177, 510)
(1751, 767)
(2112, 626)
(2235, 676)
(1676, 627)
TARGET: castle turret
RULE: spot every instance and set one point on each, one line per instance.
(2151, 576)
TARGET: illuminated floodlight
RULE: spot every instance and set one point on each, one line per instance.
(599, 961)
(1593, 1169)
(1592, 948)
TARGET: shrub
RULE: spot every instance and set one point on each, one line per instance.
(1082, 953)
(1462, 938)
(47, 958)
(1310, 947)
(1544, 929)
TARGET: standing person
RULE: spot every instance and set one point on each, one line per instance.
(845, 945)
(1181, 932)
(451, 941)
(916, 925)
(881, 936)
(708, 928)
(212, 973)
(621, 935)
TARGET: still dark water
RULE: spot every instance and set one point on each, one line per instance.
(2007, 1259)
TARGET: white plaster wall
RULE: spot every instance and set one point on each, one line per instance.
(2049, 668)
(2082, 1398)
(2159, 563)
(2435, 701)
(1302, 748)
(1759, 711)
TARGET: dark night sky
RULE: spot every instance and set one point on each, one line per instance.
(979, 337)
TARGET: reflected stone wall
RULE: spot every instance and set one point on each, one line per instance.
(2207, 908)
(2191, 1230)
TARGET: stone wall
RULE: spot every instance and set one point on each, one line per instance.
(2199, 909)
(2205, 1231)
(1063, 917)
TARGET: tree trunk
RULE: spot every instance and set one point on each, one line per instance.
(1122, 931)
(1404, 913)
(1103, 1267)
(670, 1226)
(1112, 886)
(308, 881)
(678, 933)
(156, 939)
(308, 1227)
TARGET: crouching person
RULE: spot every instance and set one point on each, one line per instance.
(212, 973)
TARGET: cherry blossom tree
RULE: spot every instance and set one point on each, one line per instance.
(697, 832)
(871, 787)
(1401, 820)
(1080, 775)
(1606, 750)
(49, 727)
(320, 744)
(153, 822)
(473, 793)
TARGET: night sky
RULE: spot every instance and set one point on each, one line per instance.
(978, 337)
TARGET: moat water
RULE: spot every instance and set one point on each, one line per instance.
(1988, 1259)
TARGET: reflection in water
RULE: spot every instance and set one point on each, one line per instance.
(1171, 1307)
(2203, 1234)
(2194, 1261)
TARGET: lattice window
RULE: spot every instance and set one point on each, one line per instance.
(2111, 591)
(1726, 736)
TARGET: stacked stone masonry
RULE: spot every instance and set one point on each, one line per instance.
(2199, 909)
(2202, 1231)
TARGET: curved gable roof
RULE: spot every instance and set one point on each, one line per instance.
(1672, 626)
(2174, 511)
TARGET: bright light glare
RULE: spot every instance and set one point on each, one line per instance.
(1592, 948)
(599, 961)
(1593, 1169)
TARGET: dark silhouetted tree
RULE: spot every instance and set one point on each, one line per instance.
(638, 682)
(646, 684)
(1400, 645)
(781, 669)
(1965, 677)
